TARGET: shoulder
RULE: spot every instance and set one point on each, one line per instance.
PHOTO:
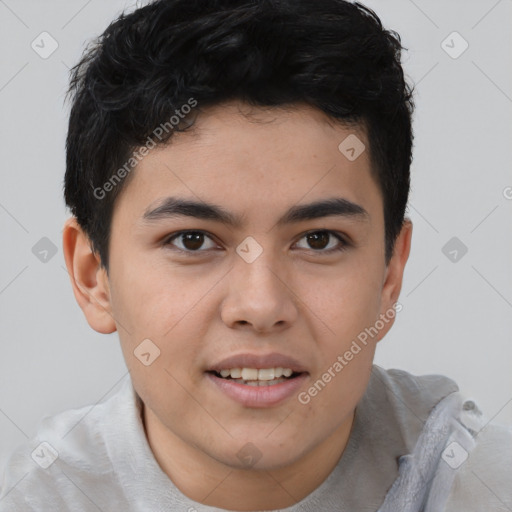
(474, 470)
(67, 461)
(406, 400)
(409, 388)
(484, 479)
(466, 460)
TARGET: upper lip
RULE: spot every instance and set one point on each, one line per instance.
(259, 361)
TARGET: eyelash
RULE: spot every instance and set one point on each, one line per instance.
(344, 244)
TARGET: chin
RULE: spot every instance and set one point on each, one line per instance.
(259, 454)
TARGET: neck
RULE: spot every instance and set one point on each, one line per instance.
(231, 488)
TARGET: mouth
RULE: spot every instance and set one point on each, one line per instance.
(258, 381)
(257, 377)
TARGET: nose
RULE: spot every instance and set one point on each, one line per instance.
(260, 296)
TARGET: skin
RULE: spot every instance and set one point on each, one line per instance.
(293, 299)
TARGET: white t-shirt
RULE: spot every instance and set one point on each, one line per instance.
(98, 458)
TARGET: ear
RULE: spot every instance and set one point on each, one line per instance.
(394, 276)
(88, 278)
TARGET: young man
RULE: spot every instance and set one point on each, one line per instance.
(238, 174)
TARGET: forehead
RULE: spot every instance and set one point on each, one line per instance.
(254, 158)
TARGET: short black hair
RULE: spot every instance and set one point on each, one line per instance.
(334, 55)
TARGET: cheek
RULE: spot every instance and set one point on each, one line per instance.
(152, 298)
(345, 304)
(172, 308)
(334, 394)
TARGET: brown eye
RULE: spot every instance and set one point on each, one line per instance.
(319, 241)
(191, 241)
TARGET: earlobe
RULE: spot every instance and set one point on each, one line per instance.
(88, 279)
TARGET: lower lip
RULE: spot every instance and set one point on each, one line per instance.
(258, 396)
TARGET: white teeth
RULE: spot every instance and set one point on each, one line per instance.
(249, 374)
(254, 374)
(236, 373)
(259, 383)
(266, 374)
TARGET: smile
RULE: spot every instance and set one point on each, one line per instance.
(253, 387)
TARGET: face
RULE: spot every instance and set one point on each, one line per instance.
(266, 290)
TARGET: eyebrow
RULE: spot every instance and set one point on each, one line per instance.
(172, 207)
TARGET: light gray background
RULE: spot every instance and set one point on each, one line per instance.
(457, 316)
